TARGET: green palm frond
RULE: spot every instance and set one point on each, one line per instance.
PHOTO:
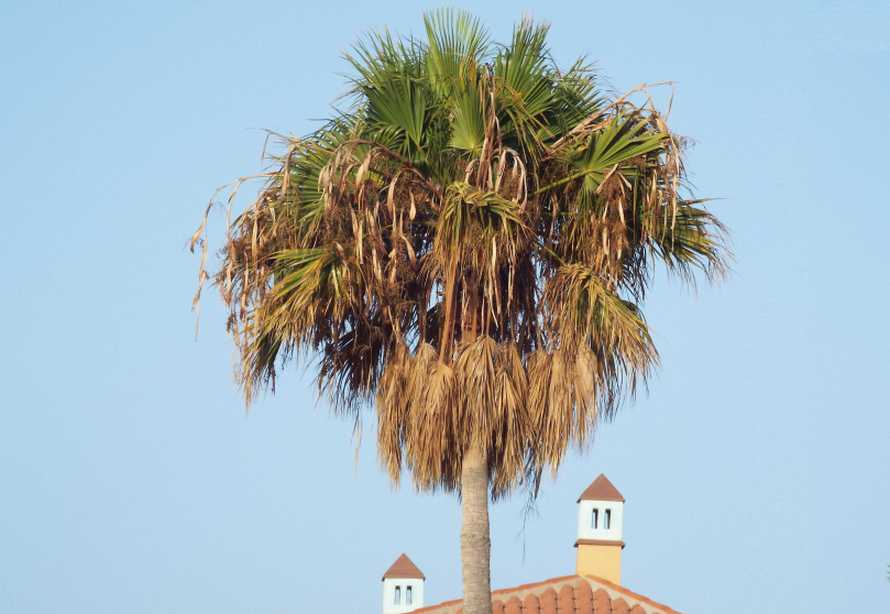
(525, 81)
(619, 142)
(456, 50)
(695, 241)
(576, 96)
(310, 273)
(395, 93)
(457, 46)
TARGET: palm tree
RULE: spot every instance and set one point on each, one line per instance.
(466, 248)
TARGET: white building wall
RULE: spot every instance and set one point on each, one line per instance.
(615, 532)
(389, 595)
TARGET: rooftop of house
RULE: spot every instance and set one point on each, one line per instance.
(565, 594)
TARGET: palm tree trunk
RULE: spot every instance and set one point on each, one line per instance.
(475, 542)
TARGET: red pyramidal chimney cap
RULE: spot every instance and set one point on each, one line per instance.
(601, 489)
(403, 568)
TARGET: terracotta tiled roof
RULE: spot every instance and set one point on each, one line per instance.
(564, 595)
(403, 568)
(601, 489)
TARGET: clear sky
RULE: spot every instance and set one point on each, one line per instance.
(756, 471)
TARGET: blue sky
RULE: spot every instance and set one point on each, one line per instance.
(757, 470)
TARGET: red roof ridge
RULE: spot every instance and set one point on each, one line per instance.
(601, 489)
(403, 568)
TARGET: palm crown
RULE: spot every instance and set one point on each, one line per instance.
(467, 247)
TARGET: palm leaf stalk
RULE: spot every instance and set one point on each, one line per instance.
(466, 249)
